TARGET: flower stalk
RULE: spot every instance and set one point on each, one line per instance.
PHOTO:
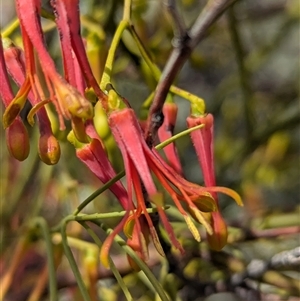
(203, 143)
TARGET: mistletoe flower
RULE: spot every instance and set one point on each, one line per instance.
(203, 143)
(68, 23)
(140, 162)
(49, 149)
(17, 139)
(67, 100)
(93, 155)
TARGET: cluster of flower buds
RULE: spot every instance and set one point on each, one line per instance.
(17, 138)
(65, 93)
(141, 163)
(41, 84)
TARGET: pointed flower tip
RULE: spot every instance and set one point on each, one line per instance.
(35, 110)
(218, 239)
(10, 114)
(49, 149)
(129, 226)
(16, 105)
(103, 256)
(228, 191)
(17, 140)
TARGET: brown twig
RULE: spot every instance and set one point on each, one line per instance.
(181, 52)
(178, 22)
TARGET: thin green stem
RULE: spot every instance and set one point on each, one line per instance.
(10, 28)
(106, 186)
(147, 103)
(157, 73)
(143, 278)
(127, 10)
(111, 263)
(97, 216)
(72, 262)
(145, 55)
(157, 286)
(106, 77)
(74, 242)
(42, 224)
(179, 135)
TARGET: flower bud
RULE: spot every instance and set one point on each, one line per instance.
(72, 102)
(17, 140)
(203, 143)
(101, 122)
(49, 149)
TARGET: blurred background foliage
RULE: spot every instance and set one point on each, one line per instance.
(247, 71)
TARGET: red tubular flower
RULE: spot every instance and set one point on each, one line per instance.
(93, 155)
(139, 162)
(72, 70)
(67, 100)
(17, 139)
(49, 149)
(166, 131)
(203, 143)
(68, 23)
